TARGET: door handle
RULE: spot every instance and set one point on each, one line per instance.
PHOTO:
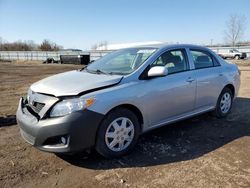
(220, 74)
(190, 79)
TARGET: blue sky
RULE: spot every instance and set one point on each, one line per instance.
(81, 24)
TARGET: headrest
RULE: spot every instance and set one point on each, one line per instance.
(202, 58)
(176, 59)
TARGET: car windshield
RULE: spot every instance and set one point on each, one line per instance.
(121, 62)
(234, 50)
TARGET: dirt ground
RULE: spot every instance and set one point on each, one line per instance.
(198, 152)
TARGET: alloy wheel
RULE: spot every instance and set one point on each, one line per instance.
(225, 103)
(119, 134)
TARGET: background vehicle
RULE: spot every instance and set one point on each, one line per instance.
(74, 59)
(69, 59)
(112, 101)
(232, 53)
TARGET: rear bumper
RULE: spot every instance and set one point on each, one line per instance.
(78, 129)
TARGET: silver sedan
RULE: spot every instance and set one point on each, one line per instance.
(108, 104)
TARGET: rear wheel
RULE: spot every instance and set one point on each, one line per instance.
(224, 103)
(118, 133)
(237, 57)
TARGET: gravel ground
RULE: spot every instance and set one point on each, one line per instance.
(198, 152)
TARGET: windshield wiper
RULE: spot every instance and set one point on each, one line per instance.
(117, 73)
(100, 72)
(97, 71)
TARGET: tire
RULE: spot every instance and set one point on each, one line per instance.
(237, 57)
(220, 110)
(109, 139)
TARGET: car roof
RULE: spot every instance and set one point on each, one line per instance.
(166, 45)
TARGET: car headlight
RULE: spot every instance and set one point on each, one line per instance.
(70, 105)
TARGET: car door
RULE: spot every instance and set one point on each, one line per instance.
(173, 95)
(209, 79)
(231, 54)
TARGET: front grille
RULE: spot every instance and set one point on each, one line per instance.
(244, 55)
(38, 104)
(37, 107)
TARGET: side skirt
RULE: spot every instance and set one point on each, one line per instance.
(177, 118)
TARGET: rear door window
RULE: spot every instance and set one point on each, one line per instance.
(202, 59)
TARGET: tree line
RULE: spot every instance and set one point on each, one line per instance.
(29, 45)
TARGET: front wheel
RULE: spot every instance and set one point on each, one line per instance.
(118, 133)
(224, 103)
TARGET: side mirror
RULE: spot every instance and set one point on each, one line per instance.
(157, 71)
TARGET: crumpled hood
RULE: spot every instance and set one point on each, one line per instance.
(73, 83)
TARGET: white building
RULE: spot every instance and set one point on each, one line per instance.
(127, 45)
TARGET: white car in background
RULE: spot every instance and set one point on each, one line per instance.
(231, 53)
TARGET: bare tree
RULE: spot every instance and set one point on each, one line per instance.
(1, 41)
(31, 44)
(235, 28)
(49, 46)
(46, 45)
